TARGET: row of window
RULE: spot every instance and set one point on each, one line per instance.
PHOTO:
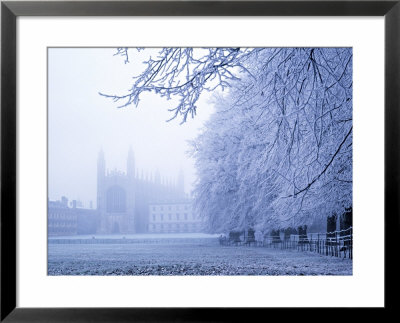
(175, 226)
(172, 217)
(169, 207)
(61, 216)
(62, 224)
(62, 230)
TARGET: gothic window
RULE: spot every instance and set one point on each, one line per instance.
(116, 200)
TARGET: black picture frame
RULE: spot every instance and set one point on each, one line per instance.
(10, 10)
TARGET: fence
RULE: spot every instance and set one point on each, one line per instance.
(336, 243)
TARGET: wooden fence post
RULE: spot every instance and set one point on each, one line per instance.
(336, 244)
(351, 244)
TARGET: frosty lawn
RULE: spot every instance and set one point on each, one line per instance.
(188, 258)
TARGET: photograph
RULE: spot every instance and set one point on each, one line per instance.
(167, 161)
(222, 161)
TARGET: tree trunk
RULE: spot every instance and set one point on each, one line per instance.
(346, 220)
(303, 234)
(330, 228)
(331, 223)
(288, 232)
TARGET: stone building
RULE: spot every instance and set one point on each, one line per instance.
(173, 217)
(123, 197)
(61, 220)
(66, 220)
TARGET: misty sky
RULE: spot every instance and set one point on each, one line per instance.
(81, 122)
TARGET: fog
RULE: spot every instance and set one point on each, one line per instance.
(81, 122)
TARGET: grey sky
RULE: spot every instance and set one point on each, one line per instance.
(81, 122)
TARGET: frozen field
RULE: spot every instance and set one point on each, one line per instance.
(188, 258)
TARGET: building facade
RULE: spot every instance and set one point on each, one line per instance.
(173, 217)
(61, 220)
(123, 198)
(64, 220)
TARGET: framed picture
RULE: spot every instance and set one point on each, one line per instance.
(109, 212)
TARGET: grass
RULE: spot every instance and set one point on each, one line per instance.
(206, 258)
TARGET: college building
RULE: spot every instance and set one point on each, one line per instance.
(173, 217)
(127, 202)
(64, 219)
(123, 198)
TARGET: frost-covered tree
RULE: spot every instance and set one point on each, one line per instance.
(184, 73)
(302, 112)
(278, 150)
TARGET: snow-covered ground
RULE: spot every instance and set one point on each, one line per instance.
(197, 258)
